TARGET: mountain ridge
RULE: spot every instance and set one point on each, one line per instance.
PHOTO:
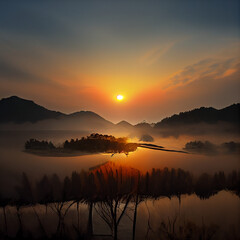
(18, 110)
(210, 115)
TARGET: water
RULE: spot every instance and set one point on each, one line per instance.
(220, 211)
(223, 209)
(14, 160)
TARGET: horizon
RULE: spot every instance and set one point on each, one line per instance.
(160, 58)
(121, 120)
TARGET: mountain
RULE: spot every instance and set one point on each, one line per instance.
(87, 119)
(18, 110)
(124, 124)
(15, 110)
(143, 126)
(230, 114)
(85, 114)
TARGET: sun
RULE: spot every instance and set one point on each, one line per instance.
(120, 97)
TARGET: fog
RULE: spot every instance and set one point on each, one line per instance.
(14, 160)
(223, 205)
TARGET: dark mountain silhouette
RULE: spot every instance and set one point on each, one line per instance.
(230, 114)
(87, 114)
(124, 124)
(18, 110)
(88, 117)
(143, 126)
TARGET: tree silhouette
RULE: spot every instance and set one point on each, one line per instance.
(112, 191)
(186, 230)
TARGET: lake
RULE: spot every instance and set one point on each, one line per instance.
(221, 210)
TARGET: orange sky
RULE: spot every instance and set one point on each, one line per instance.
(162, 58)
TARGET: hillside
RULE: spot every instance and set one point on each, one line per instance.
(230, 114)
(15, 110)
(18, 110)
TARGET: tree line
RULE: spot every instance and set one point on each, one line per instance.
(93, 143)
(110, 189)
(39, 145)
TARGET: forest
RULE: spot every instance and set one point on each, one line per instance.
(110, 191)
(94, 143)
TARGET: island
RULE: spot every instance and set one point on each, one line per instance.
(94, 143)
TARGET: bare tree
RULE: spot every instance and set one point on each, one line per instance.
(112, 211)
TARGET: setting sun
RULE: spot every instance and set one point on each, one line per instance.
(120, 97)
(117, 104)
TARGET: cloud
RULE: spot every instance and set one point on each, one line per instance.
(23, 19)
(10, 71)
(154, 54)
(207, 68)
(209, 83)
(14, 77)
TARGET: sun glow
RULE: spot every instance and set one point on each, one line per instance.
(120, 97)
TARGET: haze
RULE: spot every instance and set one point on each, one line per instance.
(163, 57)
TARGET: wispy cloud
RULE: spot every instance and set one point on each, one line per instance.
(12, 72)
(207, 68)
(154, 54)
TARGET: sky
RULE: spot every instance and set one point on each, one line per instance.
(164, 57)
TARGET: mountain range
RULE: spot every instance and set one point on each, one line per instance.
(26, 113)
(210, 115)
(21, 111)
